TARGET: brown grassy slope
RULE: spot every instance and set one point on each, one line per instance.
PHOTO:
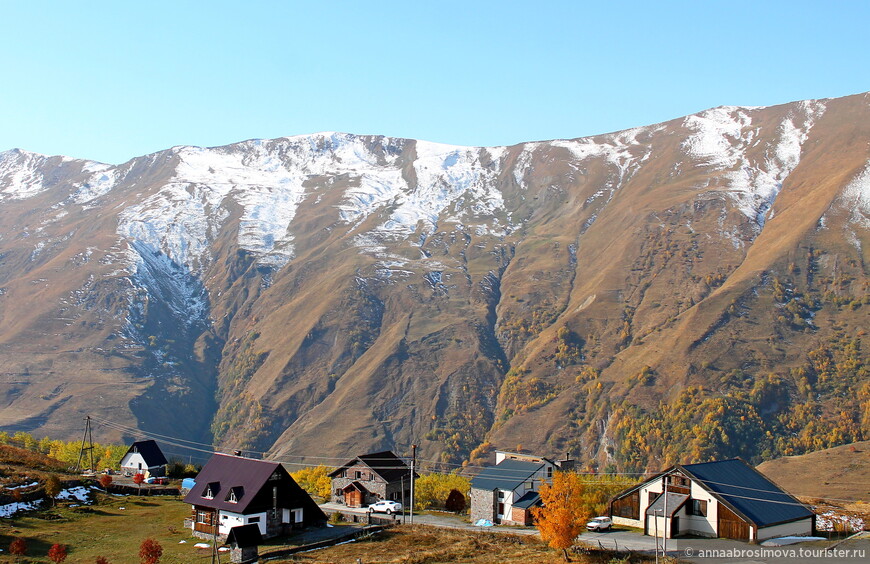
(658, 264)
(428, 545)
(841, 472)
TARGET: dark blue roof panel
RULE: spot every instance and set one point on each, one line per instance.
(506, 475)
(749, 491)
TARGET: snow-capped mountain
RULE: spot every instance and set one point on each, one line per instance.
(378, 291)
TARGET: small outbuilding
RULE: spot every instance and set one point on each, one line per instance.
(144, 457)
(244, 542)
(727, 499)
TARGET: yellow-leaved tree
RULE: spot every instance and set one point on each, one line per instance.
(564, 513)
(315, 480)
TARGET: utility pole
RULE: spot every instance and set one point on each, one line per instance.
(88, 436)
(656, 519)
(413, 464)
(665, 540)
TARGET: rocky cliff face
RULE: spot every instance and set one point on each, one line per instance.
(628, 297)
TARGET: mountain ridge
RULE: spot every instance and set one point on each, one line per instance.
(449, 296)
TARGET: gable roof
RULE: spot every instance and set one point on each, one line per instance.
(748, 491)
(508, 475)
(675, 501)
(244, 536)
(385, 464)
(150, 452)
(527, 500)
(224, 473)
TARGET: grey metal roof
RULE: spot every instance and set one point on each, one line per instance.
(506, 475)
(528, 499)
(674, 502)
(748, 491)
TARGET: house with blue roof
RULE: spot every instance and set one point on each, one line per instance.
(726, 498)
(507, 492)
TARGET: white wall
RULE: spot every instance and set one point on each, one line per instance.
(134, 461)
(801, 528)
(228, 520)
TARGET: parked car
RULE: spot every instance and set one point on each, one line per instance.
(599, 524)
(387, 506)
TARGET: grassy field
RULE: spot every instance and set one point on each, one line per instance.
(114, 527)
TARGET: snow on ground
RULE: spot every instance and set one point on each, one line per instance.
(79, 493)
(11, 509)
(831, 521)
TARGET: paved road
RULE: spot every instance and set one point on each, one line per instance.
(698, 551)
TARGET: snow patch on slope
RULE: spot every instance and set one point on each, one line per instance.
(105, 178)
(446, 175)
(21, 173)
(723, 136)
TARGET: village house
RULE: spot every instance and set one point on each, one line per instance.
(232, 490)
(507, 492)
(370, 478)
(727, 498)
(144, 457)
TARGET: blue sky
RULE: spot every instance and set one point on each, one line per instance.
(113, 80)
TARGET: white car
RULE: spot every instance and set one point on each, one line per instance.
(387, 506)
(599, 524)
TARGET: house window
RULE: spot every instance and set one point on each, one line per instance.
(357, 475)
(232, 497)
(253, 519)
(698, 507)
(500, 509)
(500, 494)
(549, 471)
(208, 493)
(203, 517)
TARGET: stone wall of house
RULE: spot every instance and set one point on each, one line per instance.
(368, 479)
(482, 505)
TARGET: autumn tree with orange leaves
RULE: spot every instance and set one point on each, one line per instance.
(564, 513)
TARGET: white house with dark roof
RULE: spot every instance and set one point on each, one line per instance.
(144, 457)
(506, 493)
(727, 498)
(232, 491)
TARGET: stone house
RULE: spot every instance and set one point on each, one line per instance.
(370, 478)
(507, 492)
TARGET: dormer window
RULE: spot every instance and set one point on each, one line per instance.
(235, 494)
(211, 490)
